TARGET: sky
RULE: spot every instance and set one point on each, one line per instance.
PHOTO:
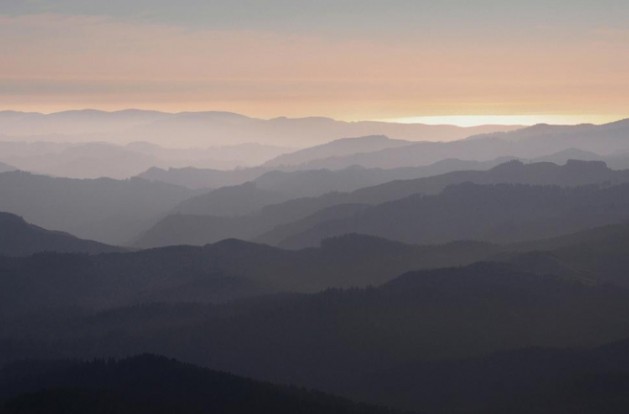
(447, 61)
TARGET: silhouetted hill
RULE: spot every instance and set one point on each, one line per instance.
(105, 210)
(348, 178)
(498, 213)
(215, 273)
(306, 183)
(521, 381)
(365, 344)
(339, 147)
(332, 339)
(154, 384)
(524, 381)
(235, 269)
(18, 238)
(598, 253)
(312, 183)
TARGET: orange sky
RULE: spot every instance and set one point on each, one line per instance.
(55, 61)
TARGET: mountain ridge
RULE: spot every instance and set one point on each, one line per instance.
(19, 238)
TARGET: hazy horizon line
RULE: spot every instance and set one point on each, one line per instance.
(456, 120)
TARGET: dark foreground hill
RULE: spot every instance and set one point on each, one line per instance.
(524, 381)
(153, 384)
(19, 238)
(328, 340)
(347, 343)
(432, 329)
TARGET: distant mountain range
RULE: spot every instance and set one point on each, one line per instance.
(212, 166)
(116, 212)
(348, 172)
(483, 275)
(102, 159)
(204, 129)
(275, 224)
(526, 143)
(308, 183)
(498, 213)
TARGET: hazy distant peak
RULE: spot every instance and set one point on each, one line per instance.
(367, 138)
(575, 153)
(214, 115)
(540, 126)
(306, 118)
(512, 164)
(90, 111)
(623, 123)
(133, 111)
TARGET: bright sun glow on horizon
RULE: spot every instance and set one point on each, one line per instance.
(477, 120)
